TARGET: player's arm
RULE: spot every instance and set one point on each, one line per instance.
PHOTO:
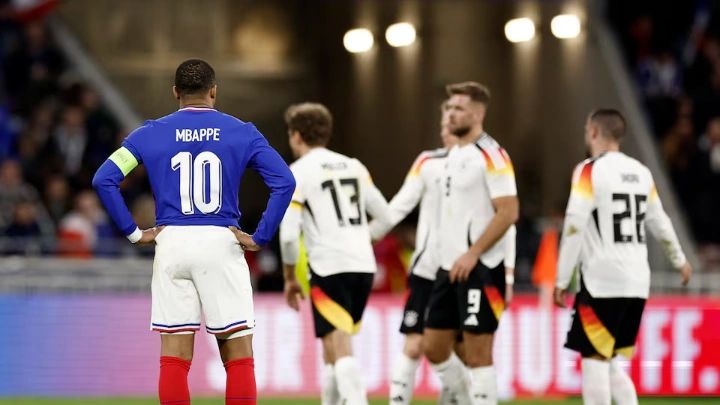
(375, 203)
(659, 224)
(290, 229)
(500, 181)
(107, 185)
(577, 214)
(277, 175)
(510, 253)
(403, 202)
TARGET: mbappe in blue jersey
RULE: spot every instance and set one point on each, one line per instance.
(195, 158)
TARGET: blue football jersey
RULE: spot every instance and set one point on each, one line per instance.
(195, 158)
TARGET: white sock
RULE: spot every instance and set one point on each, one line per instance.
(350, 382)
(402, 380)
(455, 378)
(622, 387)
(484, 385)
(330, 394)
(596, 382)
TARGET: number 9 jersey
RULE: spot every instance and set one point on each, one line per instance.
(613, 199)
(332, 196)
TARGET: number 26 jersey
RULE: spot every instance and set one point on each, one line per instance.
(617, 197)
(334, 192)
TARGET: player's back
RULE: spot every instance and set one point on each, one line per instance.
(615, 252)
(334, 189)
(195, 158)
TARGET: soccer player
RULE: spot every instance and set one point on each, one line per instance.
(329, 207)
(613, 199)
(478, 205)
(423, 184)
(195, 158)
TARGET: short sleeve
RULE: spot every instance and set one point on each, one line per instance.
(582, 193)
(415, 169)
(500, 172)
(298, 196)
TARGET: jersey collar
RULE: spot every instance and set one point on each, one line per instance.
(201, 109)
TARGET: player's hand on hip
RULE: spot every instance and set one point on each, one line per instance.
(686, 272)
(559, 297)
(463, 266)
(149, 235)
(293, 294)
(245, 240)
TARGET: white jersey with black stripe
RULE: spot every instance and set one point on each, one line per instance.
(329, 206)
(613, 199)
(475, 174)
(422, 185)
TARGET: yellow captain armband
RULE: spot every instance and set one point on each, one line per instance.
(124, 160)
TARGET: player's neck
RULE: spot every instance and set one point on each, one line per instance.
(605, 148)
(198, 103)
(471, 137)
(307, 149)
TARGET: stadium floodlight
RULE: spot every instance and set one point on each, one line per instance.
(358, 40)
(565, 26)
(520, 30)
(400, 34)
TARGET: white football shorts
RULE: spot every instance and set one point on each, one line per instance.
(201, 268)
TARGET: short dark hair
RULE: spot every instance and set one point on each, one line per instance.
(312, 120)
(194, 77)
(476, 91)
(611, 122)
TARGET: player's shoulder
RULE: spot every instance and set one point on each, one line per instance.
(434, 153)
(140, 134)
(487, 143)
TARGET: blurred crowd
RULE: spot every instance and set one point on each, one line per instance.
(54, 134)
(673, 49)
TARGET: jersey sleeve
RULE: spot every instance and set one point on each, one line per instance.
(403, 202)
(277, 175)
(579, 209)
(659, 224)
(500, 176)
(108, 177)
(375, 203)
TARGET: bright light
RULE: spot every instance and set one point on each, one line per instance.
(565, 26)
(358, 40)
(520, 30)
(400, 34)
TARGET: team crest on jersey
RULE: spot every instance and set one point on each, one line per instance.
(411, 318)
(571, 231)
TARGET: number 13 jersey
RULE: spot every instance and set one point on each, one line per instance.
(332, 196)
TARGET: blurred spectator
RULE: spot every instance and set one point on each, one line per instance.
(84, 230)
(8, 133)
(660, 76)
(706, 200)
(69, 141)
(13, 190)
(641, 33)
(24, 235)
(33, 67)
(697, 77)
(57, 197)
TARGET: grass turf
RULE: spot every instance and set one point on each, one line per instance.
(207, 401)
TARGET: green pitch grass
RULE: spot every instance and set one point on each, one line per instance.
(134, 401)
